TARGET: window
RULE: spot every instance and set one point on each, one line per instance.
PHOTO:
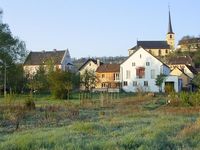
(147, 63)
(150, 51)
(170, 36)
(159, 52)
(133, 64)
(125, 83)
(116, 76)
(152, 74)
(140, 72)
(89, 64)
(140, 55)
(145, 83)
(103, 85)
(103, 76)
(166, 51)
(134, 83)
(128, 74)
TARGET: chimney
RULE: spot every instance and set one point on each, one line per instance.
(98, 62)
(54, 50)
(43, 51)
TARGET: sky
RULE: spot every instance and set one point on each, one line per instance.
(93, 28)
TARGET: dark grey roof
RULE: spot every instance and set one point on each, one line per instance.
(152, 45)
(170, 31)
(192, 69)
(38, 58)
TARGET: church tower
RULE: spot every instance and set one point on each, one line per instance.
(170, 38)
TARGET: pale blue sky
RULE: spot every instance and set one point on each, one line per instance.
(97, 27)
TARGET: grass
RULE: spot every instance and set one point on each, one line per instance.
(133, 122)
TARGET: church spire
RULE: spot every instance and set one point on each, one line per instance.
(170, 31)
(170, 38)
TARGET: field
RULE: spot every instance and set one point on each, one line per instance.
(107, 122)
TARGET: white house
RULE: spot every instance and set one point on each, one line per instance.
(59, 58)
(139, 72)
(90, 65)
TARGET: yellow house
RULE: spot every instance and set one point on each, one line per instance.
(187, 69)
(108, 76)
(186, 80)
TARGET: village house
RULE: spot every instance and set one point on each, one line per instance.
(184, 63)
(90, 65)
(139, 72)
(190, 44)
(158, 48)
(108, 76)
(58, 58)
(186, 80)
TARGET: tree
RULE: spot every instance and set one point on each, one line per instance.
(160, 80)
(39, 80)
(12, 54)
(88, 80)
(61, 83)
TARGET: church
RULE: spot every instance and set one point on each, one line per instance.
(158, 48)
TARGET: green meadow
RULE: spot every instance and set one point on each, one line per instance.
(110, 122)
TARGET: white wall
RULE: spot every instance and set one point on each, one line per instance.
(91, 66)
(175, 79)
(67, 62)
(140, 57)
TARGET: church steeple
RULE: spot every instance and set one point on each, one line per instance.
(170, 38)
(170, 31)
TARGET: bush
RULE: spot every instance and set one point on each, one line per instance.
(169, 89)
(29, 104)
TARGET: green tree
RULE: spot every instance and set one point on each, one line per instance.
(61, 83)
(12, 54)
(88, 80)
(38, 81)
(160, 80)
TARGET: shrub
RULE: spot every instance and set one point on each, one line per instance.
(169, 89)
(29, 104)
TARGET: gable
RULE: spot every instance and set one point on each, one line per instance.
(141, 55)
(67, 59)
(178, 72)
(92, 61)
